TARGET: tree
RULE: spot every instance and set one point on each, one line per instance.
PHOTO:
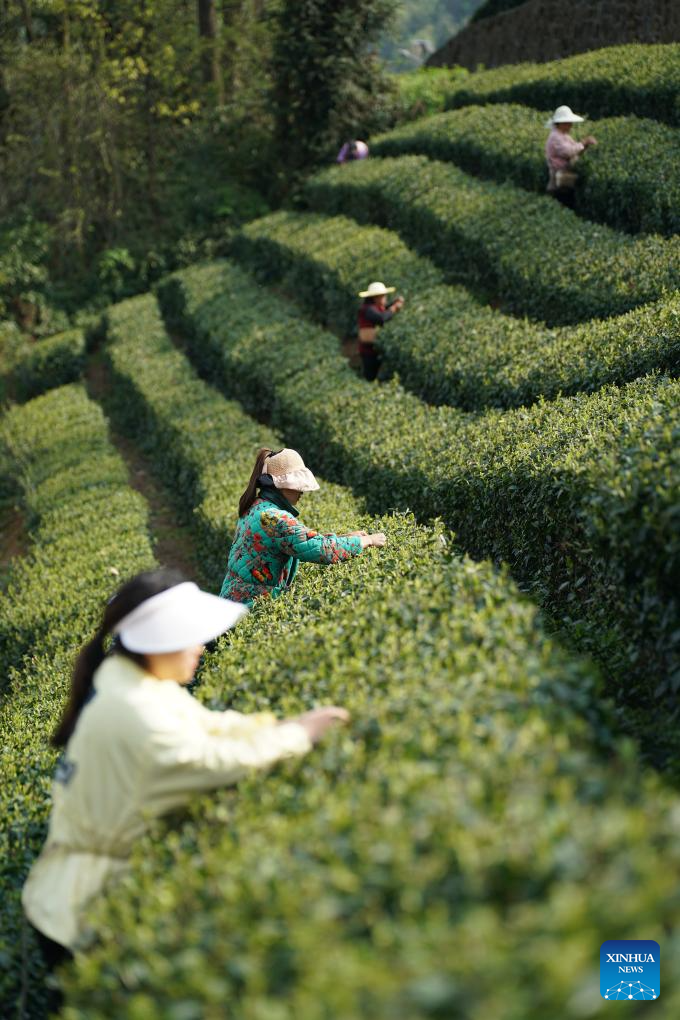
(327, 84)
(210, 56)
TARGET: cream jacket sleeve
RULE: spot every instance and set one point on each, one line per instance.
(201, 749)
(141, 747)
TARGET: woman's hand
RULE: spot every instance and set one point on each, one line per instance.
(377, 539)
(589, 140)
(318, 720)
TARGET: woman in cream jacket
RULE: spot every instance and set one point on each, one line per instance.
(137, 745)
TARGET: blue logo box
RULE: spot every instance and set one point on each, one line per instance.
(630, 969)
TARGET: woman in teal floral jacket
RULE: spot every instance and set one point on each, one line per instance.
(270, 539)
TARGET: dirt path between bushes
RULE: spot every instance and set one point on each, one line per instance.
(172, 543)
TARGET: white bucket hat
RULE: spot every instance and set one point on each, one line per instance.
(287, 471)
(564, 115)
(376, 289)
(179, 617)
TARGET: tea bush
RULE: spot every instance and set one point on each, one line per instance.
(467, 819)
(424, 91)
(629, 181)
(616, 80)
(68, 472)
(88, 532)
(446, 346)
(579, 496)
(49, 363)
(534, 254)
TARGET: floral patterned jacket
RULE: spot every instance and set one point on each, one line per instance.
(267, 547)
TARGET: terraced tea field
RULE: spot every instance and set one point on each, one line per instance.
(505, 798)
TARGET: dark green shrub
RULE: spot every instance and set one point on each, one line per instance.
(535, 255)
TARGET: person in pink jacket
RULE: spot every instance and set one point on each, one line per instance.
(561, 154)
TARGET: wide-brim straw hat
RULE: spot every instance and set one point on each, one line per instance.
(287, 471)
(376, 289)
(178, 618)
(564, 115)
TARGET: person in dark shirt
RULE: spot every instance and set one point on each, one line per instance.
(373, 313)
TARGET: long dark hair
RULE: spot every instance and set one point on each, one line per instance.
(250, 494)
(91, 655)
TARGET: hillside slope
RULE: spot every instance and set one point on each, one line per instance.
(541, 30)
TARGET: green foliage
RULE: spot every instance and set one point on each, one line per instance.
(23, 255)
(68, 473)
(629, 181)
(47, 364)
(13, 345)
(462, 822)
(327, 86)
(423, 92)
(114, 144)
(578, 496)
(532, 253)
(116, 271)
(88, 533)
(446, 346)
(633, 79)
(369, 853)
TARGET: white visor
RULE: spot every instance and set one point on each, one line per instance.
(180, 617)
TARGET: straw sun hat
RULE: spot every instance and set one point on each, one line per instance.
(376, 289)
(564, 115)
(286, 470)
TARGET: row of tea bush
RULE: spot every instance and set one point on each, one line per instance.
(617, 80)
(445, 345)
(629, 180)
(28, 367)
(201, 446)
(528, 251)
(578, 496)
(88, 532)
